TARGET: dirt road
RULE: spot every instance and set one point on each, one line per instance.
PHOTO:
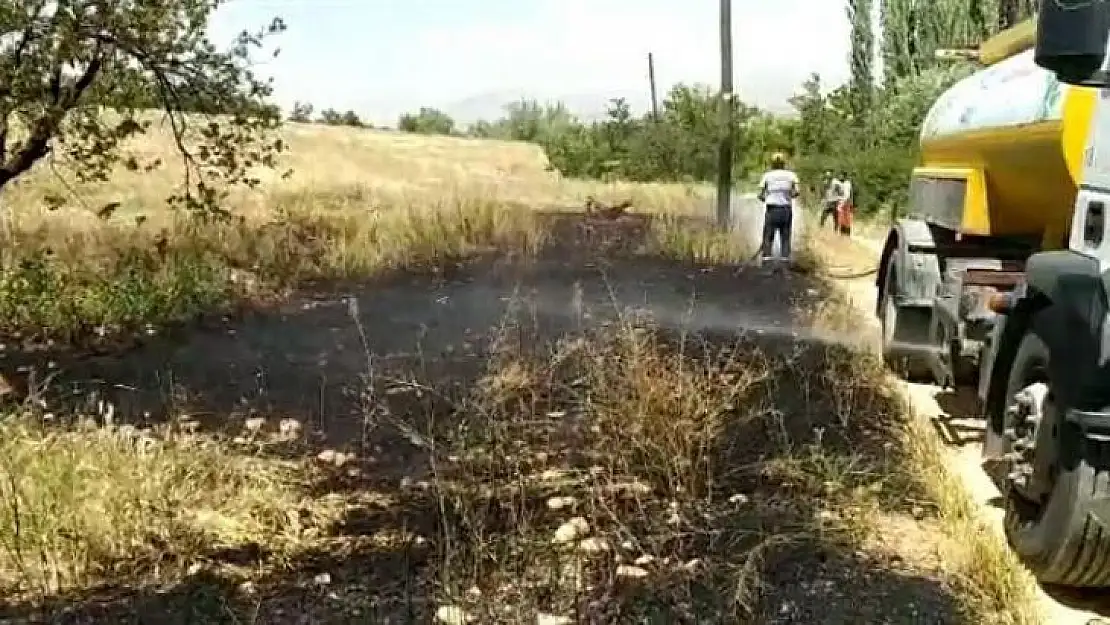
(953, 415)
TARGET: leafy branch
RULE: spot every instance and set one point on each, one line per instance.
(80, 77)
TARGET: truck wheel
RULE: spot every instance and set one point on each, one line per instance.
(908, 366)
(1049, 520)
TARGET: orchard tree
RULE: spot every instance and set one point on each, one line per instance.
(330, 117)
(429, 121)
(77, 78)
(351, 118)
(302, 113)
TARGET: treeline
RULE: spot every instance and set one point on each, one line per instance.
(870, 125)
(874, 139)
(302, 113)
(681, 144)
(867, 127)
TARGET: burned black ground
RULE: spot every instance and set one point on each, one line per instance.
(329, 361)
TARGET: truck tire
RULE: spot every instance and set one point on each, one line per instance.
(1056, 535)
(909, 367)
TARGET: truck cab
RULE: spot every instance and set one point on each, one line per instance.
(975, 288)
(1046, 384)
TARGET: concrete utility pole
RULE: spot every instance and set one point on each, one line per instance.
(724, 165)
(651, 80)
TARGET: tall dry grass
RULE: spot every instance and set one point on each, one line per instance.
(92, 503)
(632, 473)
(989, 575)
(359, 202)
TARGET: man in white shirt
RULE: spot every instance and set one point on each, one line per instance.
(833, 194)
(777, 190)
(846, 206)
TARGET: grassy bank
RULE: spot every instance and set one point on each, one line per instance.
(991, 575)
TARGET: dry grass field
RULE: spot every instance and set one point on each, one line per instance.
(482, 411)
(358, 203)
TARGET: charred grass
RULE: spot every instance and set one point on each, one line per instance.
(624, 473)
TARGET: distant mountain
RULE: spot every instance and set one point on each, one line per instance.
(768, 91)
(766, 87)
(491, 105)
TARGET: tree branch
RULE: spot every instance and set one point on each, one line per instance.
(169, 96)
(4, 115)
(38, 144)
(7, 84)
(87, 77)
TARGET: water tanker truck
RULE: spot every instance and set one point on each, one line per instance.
(998, 278)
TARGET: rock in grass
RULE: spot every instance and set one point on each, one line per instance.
(558, 503)
(593, 546)
(452, 615)
(571, 531)
(631, 572)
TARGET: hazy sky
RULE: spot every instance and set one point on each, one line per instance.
(384, 57)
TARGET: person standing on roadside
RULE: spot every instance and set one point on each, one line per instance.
(846, 207)
(832, 199)
(778, 189)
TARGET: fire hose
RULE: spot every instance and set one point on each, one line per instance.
(856, 275)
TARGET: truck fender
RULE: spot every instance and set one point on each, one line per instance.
(917, 268)
(1064, 300)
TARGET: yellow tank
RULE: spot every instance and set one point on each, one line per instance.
(1016, 136)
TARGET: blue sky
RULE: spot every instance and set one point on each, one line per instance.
(384, 57)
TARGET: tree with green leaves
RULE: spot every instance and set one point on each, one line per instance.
(429, 121)
(351, 118)
(862, 83)
(330, 117)
(64, 62)
(816, 122)
(302, 113)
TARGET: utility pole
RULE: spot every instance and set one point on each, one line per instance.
(651, 80)
(724, 165)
